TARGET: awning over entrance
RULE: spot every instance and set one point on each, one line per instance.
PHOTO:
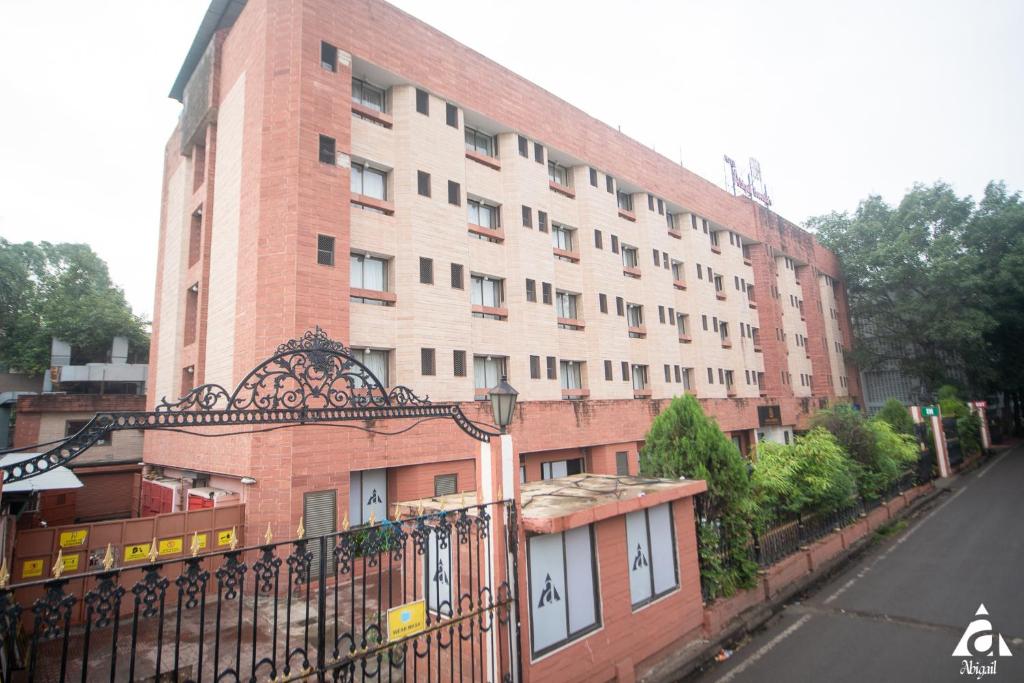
(55, 478)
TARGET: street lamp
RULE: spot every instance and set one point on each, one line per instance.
(503, 403)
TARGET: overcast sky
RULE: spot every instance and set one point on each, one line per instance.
(836, 100)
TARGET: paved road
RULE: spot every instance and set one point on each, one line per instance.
(898, 613)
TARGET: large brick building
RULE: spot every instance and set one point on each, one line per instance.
(343, 164)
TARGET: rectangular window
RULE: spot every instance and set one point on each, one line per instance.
(486, 291)
(700, 272)
(598, 243)
(480, 142)
(368, 272)
(457, 276)
(661, 314)
(624, 200)
(370, 96)
(459, 363)
(446, 484)
(672, 220)
(328, 57)
(630, 259)
(327, 154)
(325, 250)
(668, 373)
(454, 193)
(423, 183)
(563, 237)
(561, 468)
(368, 496)
(704, 322)
(602, 302)
(677, 374)
(608, 371)
(634, 315)
(542, 220)
(687, 379)
(664, 260)
(538, 152)
(422, 102)
(546, 292)
(558, 174)
(639, 377)
(552, 367)
(483, 214)
(609, 184)
(593, 177)
(427, 366)
(661, 207)
(534, 367)
(377, 360)
(711, 376)
(625, 371)
(650, 202)
(615, 244)
(620, 307)
(451, 115)
(487, 372)
(369, 181)
(651, 558)
(524, 147)
(571, 374)
(426, 271)
(682, 323)
(565, 305)
(677, 271)
(531, 290)
(527, 217)
(657, 258)
(622, 463)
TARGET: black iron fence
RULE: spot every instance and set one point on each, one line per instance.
(310, 608)
(787, 534)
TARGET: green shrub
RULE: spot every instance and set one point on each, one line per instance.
(684, 442)
(969, 431)
(811, 475)
(900, 451)
(898, 417)
(950, 402)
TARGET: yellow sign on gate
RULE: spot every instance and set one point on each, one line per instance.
(72, 538)
(136, 551)
(31, 568)
(406, 620)
(170, 546)
(70, 562)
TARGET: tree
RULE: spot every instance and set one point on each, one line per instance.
(64, 291)
(684, 442)
(897, 416)
(875, 449)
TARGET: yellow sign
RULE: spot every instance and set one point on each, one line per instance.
(73, 538)
(223, 538)
(406, 620)
(136, 551)
(169, 546)
(70, 562)
(31, 568)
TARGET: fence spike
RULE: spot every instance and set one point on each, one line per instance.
(5, 575)
(234, 539)
(269, 536)
(301, 531)
(344, 523)
(108, 558)
(152, 550)
(58, 566)
(373, 518)
(195, 544)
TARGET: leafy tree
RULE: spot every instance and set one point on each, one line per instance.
(870, 444)
(897, 453)
(897, 416)
(968, 429)
(813, 474)
(64, 291)
(950, 402)
(684, 442)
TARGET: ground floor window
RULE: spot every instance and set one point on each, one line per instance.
(651, 554)
(368, 496)
(564, 602)
(560, 468)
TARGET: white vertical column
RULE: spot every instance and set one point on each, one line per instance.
(941, 454)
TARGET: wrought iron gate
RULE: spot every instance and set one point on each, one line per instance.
(270, 613)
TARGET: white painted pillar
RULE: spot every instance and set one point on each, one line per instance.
(980, 408)
(941, 453)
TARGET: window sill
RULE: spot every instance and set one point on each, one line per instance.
(381, 205)
(641, 393)
(675, 233)
(638, 332)
(747, 261)
(497, 312)
(561, 189)
(495, 234)
(731, 393)
(575, 394)
(726, 343)
(752, 304)
(679, 284)
(377, 295)
(573, 256)
(716, 250)
(373, 115)
(627, 214)
(685, 339)
(720, 296)
(483, 159)
(803, 319)
(757, 348)
(572, 323)
(631, 271)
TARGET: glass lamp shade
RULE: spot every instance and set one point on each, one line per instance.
(503, 403)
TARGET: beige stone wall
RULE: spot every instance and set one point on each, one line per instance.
(833, 336)
(172, 283)
(120, 446)
(793, 324)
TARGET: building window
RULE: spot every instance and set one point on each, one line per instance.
(527, 217)
(451, 115)
(486, 291)
(531, 290)
(552, 368)
(325, 250)
(678, 271)
(672, 220)
(571, 374)
(480, 142)
(622, 463)
(368, 272)
(534, 367)
(630, 259)
(328, 57)
(558, 174)
(562, 609)
(377, 361)
(422, 102)
(327, 153)
(639, 374)
(370, 96)
(651, 554)
(615, 244)
(524, 147)
(457, 276)
(542, 221)
(682, 323)
(487, 372)
(620, 306)
(428, 365)
(608, 372)
(454, 193)
(714, 238)
(545, 288)
(657, 258)
(538, 152)
(72, 427)
(602, 303)
(563, 238)
(635, 315)
(368, 496)
(426, 271)
(561, 468)
(687, 379)
(593, 177)
(446, 484)
(459, 363)
(483, 214)
(565, 304)
(423, 183)
(609, 184)
(625, 371)
(598, 242)
(369, 181)
(624, 200)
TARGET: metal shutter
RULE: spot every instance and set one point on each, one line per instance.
(445, 484)
(320, 516)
